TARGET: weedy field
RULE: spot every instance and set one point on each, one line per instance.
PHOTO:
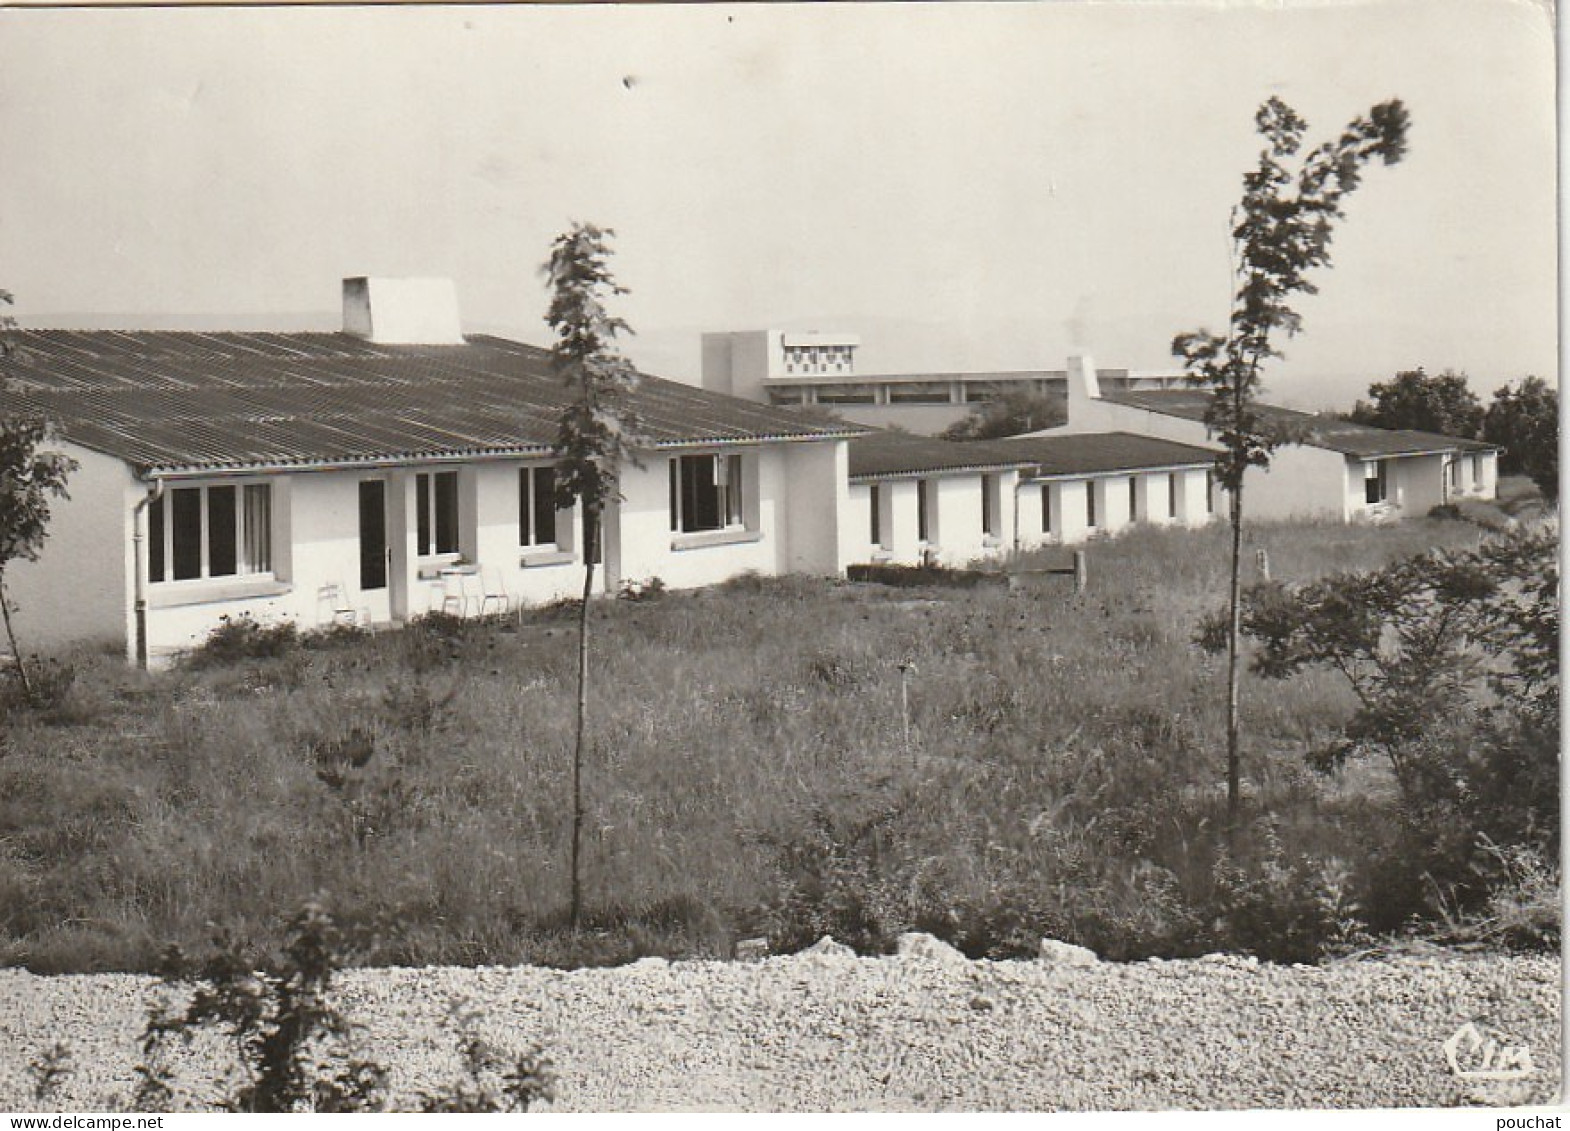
(1044, 764)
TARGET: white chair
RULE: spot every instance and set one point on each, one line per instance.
(456, 595)
(333, 607)
(494, 598)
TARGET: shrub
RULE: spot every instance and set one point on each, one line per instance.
(48, 689)
(243, 638)
(1283, 909)
(296, 1051)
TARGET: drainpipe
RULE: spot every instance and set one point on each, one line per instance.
(1019, 483)
(138, 526)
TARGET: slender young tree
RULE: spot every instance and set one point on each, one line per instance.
(596, 436)
(1281, 231)
(30, 475)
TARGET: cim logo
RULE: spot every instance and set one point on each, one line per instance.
(1477, 1054)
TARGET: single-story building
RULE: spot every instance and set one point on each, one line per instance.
(1080, 486)
(919, 500)
(1334, 469)
(926, 500)
(379, 473)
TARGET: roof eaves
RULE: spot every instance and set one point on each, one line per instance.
(950, 469)
(1104, 473)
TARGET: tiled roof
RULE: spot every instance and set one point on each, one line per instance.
(1093, 453)
(885, 455)
(1317, 431)
(178, 401)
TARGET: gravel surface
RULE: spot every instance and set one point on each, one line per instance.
(925, 1030)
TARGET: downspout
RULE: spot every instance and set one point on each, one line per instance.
(138, 536)
(1019, 481)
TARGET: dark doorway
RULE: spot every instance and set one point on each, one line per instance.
(373, 534)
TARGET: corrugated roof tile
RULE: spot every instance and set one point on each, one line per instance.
(167, 401)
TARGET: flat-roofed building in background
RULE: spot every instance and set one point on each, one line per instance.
(819, 369)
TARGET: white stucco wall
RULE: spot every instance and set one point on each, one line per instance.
(1070, 513)
(1301, 482)
(84, 587)
(1476, 476)
(79, 588)
(817, 499)
(954, 519)
(781, 534)
(316, 558)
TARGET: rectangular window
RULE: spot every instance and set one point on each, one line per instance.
(436, 512)
(185, 506)
(216, 531)
(537, 506)
(912, 392)
(1375, 482)
(1133, 498)
(1477, 471)
(923, 526)
(875, 529)
(1210, 491)
(1455, 475)
(847, 394)
(1046, 508)
(1172, 494)
(1090, 503)
(223, 550)
(706, 493)
(155, 539)
(256, 529)
(989, 505)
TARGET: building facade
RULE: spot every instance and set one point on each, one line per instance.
(371, 476)
(1332, 468)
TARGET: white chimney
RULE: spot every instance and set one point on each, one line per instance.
(1083, 385)
(402, 311)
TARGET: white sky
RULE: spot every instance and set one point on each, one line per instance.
(966, 185)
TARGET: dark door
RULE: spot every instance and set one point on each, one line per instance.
(373, 534)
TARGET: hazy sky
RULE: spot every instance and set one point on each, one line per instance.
(967, 185)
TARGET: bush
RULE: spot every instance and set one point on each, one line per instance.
(52, 682)
(1283, 909)
(296, 1051)
(243, 638)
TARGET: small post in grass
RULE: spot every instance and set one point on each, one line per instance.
(1262, 560)
(1081, 572)
(907, 668)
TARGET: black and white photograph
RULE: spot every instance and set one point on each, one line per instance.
(806, 558)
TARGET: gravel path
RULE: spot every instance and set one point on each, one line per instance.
(926, 1030)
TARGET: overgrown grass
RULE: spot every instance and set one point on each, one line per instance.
(750, 775)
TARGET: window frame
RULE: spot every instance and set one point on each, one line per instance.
(1376, 482)
(429, 495)
(530, 537)
(730, 506)
(991, 505)
(251, 544)
(1090, 504)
